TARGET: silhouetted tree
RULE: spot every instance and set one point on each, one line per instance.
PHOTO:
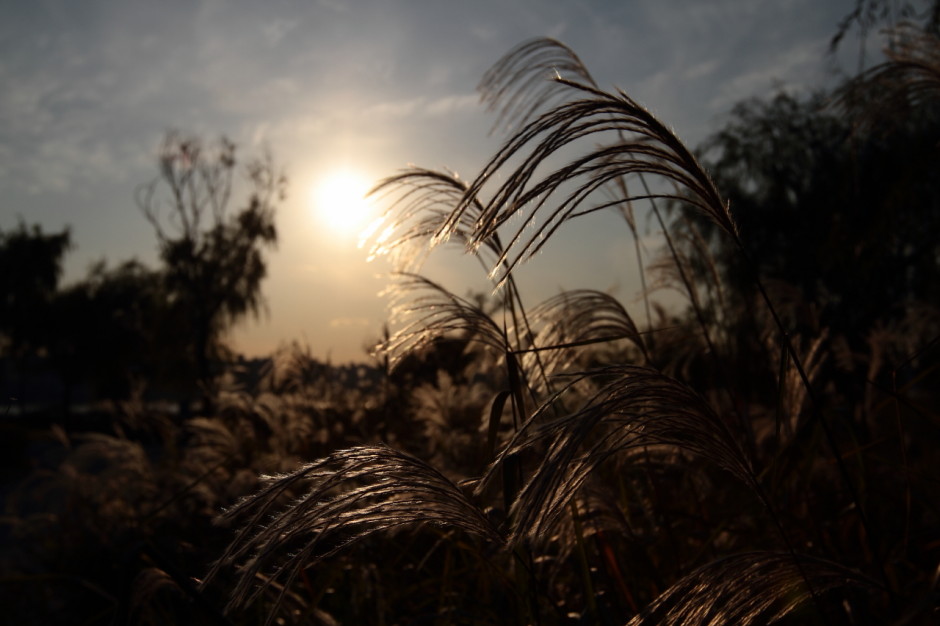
(30, 268)
(212, 254)
(109, 332)
(848, 218)
(838, 206)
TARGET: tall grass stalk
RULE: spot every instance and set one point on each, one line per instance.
(595, 450)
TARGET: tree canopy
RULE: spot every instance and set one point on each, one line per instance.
(212, 253)
(30, 269)
(847, 215)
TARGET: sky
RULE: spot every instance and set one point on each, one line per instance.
(89, 89)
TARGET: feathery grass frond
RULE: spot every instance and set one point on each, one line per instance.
(344, 497)
(638, 143)
(433, 314)
(519, 83)
(749, 588)
(791, 390)
(574, 320)
(638, 407)
(211, 438)
(911, 75)
(154, 595)
(419, 201)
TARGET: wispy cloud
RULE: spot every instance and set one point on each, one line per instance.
(483, 32)
(794, 69)
(700, 70)
(345, 322)
(395, 108)
(275, 30)
(450, 104)
(422, 106)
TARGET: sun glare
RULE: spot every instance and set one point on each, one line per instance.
(338, 200)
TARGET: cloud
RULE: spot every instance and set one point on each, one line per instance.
(394, 108)
(483, 33)
(334, 5)
(345, 322)
(450, 104)
(797, 68)
(411, 107)
(556, 31)
(700, 70)
(275, 30)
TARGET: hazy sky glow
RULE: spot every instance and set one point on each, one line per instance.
(89, 89)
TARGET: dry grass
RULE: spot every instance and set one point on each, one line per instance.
(531, 464)
(606, 493)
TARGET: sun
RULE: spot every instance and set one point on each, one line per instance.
(338, 199)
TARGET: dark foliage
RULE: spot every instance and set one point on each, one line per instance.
(30, 268)
(213, 256)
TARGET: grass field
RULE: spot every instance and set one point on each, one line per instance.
(737, 461)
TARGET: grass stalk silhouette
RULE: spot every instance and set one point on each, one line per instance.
(594, 452)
